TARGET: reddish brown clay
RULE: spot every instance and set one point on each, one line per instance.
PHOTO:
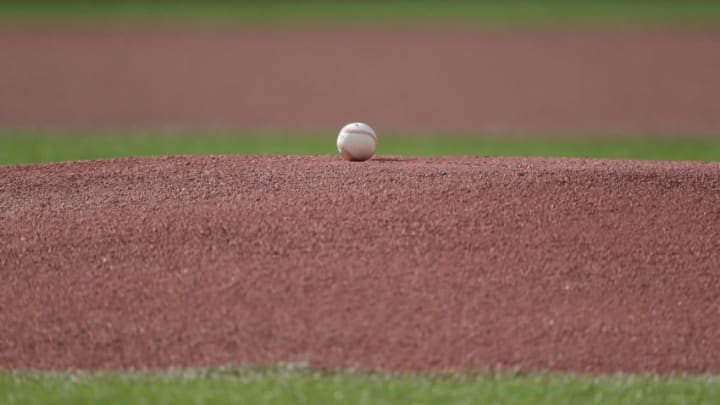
(393, 264)
(661, 82)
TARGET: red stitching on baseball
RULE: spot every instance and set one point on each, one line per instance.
(361, 132)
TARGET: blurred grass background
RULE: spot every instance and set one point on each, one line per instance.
(394, 12)
(43, 147)
(46, 146)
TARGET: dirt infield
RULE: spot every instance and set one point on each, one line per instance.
(428, 81)
(393, 264)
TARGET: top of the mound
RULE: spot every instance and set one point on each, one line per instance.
(396, 263)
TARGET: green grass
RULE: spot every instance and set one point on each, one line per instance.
(493, 12)
(303, 386)
(35, 148)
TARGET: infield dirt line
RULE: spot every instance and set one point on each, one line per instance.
(411, 80)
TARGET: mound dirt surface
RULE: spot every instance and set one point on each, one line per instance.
(393, 264)
(410, 80)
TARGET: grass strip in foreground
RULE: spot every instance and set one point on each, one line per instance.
(304, 386)
(38, 148)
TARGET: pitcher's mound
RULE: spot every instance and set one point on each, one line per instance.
(393, 264)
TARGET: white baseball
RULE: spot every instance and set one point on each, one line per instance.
(357, 142)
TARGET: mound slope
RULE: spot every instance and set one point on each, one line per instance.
(394, 264)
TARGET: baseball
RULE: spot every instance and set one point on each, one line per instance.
(357, 142)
